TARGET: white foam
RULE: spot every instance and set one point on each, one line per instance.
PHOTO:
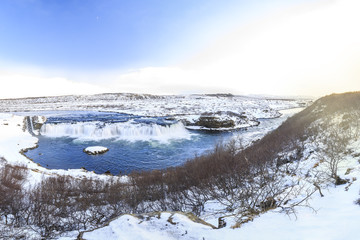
(85, 131)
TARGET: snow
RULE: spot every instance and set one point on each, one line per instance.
(333, 217)
(244, 111)
(336, 217)
(95, 150)
(155, 105)
(13, 139)
(171, 226)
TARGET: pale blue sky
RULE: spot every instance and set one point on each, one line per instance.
(108, 34)
(173, 46)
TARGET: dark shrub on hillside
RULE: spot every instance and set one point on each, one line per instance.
(12, 193)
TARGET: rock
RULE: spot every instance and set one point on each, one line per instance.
(95, 150)
(340, 181)
(214, 122)
(38, 121)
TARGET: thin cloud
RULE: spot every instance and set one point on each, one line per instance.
(15, 85)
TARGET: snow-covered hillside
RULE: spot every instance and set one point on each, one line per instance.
(298, 182)
(322, 207)
(333, 217)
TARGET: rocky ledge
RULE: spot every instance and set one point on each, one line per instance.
(220, 121)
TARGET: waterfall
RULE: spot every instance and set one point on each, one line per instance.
(29, 125)
(119, 131)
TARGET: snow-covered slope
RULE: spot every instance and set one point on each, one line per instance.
(321, 208)
(310, 206)
(333, 217)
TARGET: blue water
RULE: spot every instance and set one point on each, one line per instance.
(124, 156)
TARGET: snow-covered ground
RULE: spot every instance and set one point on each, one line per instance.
(236, 111)
(152, 105)
(335, 216)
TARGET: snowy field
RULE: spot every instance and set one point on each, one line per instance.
(240, 110)
(154, 105)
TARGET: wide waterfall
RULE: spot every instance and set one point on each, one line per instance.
(128, 131)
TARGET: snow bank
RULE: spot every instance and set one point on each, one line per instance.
(13, 139)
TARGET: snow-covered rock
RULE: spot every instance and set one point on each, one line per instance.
(94, 150)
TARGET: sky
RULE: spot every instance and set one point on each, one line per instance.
(272, 47)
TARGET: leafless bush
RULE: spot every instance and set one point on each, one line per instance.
(357, 201)
(11, 192)
(332, 146)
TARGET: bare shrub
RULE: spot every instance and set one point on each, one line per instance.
(11, 192)
(357, 201)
